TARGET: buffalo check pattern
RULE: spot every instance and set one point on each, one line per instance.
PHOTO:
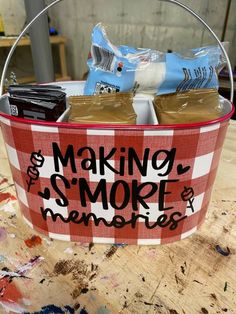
(198, 148)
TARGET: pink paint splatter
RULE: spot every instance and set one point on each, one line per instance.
(3, 234)
(4, 180)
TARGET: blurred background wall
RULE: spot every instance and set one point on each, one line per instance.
(139, 23)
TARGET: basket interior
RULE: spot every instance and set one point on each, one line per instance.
(142, 104)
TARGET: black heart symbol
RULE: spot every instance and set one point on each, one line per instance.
(181, 169)
(45, 194)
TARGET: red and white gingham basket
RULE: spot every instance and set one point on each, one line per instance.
(142, 184)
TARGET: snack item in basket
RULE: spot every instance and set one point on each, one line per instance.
(188, 107)
(47, 93)
(28, 87)
(44, 102)
(123, 68)
(34, 109)
(105, 108)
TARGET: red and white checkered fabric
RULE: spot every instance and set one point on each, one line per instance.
(198, 148)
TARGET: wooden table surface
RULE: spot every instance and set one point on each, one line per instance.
(195, 275)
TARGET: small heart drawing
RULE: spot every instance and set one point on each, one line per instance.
(45, 194)
(181, 169)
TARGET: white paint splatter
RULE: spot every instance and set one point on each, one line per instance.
(26, 302)
(25, 268)
(47, 241)
(22, 270)
(69, 251)
(8, 207)
(4, 273)
(12, 307)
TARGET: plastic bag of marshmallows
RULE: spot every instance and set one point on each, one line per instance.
(123, 68)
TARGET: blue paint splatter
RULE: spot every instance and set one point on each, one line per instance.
(83, 311)
(69, 309)
(2, 258)
(52, 309)
(102, 310)
(120, 245)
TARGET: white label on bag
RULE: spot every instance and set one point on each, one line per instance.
(14, 110)
(103, 58)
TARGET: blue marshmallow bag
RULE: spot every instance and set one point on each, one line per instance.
(123, 68)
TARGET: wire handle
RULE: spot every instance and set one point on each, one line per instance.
(171, 1)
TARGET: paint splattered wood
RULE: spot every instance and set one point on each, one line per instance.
(196, 275)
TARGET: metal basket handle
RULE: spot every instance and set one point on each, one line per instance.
(171, 1)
